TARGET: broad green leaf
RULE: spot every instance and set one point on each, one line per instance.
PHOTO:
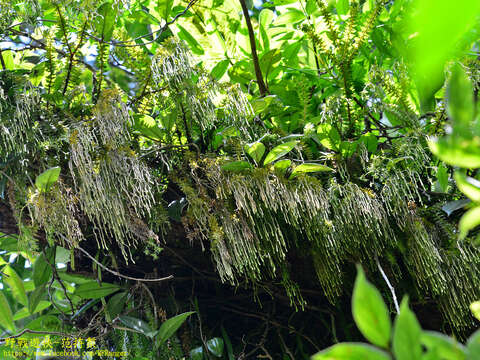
(469, 221)
(197, 353)
(170, 326)
(442, 177)
(370, 141)
(234, 166)
(307, 168)
(147, 126)
(475, 309)
(256, 151)
(445, 346)
(216, 346)
(41, 270)
(116, 303)
(16, 285)
(351, 351)
(6, 316)
(228, 344)
(329, 136)
(136, 324)
(23, 312)
(35, 298)
(62, 255)
(268, 60)
(220, 69)
(45, 180)
(435, 32)
(347, 148)
(291, 17)
(190, 40)
(460, 101)
(266, 17)
(105, 21)
(370, 312)
(164, 7)
(467, 185)
(406, 335)
(93, 290)
(473, 346)
(74, 278)
(464, 154)
(343, 6)
(278, 151)
(282, 165)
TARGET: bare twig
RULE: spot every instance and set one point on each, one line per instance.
(117, 273)
(24, 331)
(392, 290)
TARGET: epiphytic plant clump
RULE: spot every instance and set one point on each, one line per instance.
(114, 186)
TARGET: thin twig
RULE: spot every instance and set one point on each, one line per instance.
(392, 290)
(24, 331)
(117, 273)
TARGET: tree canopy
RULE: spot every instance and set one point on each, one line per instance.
(214, 178)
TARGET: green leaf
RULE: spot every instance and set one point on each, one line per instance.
(220, 69)
(464, 154)
(216, 346)
(473, 346)
(116, 303)
(370, 312)
(443, 345)
(105, 21)
(41, 271)
(16, 285)
(442, 177)
(469, 221)
(266, 17)
(35, 298)
(6, 316)
(235, 166)
(45, 180)
(147, 126)
(256, 151)
(279, 151)
(170, 326)
(164, 7)
(329, 136)
(406, 335)
(197, 353)
(190, 40)
(23, 312)
(467, 185)
(137, 325)
(343, 6)
(93, 290)
(370, 141)
(351, 351)
(290, 17)
(307, 168)
(460, 105)
(475, 309)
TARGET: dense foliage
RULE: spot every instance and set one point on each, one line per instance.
(198, 179)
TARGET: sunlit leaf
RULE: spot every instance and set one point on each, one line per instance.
(308, 168)
(45, 180)
(370, 312)
(351, 351)
(278, 151)
(16, 285)
(406, 335)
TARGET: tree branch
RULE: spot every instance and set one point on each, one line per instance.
(258, 72)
